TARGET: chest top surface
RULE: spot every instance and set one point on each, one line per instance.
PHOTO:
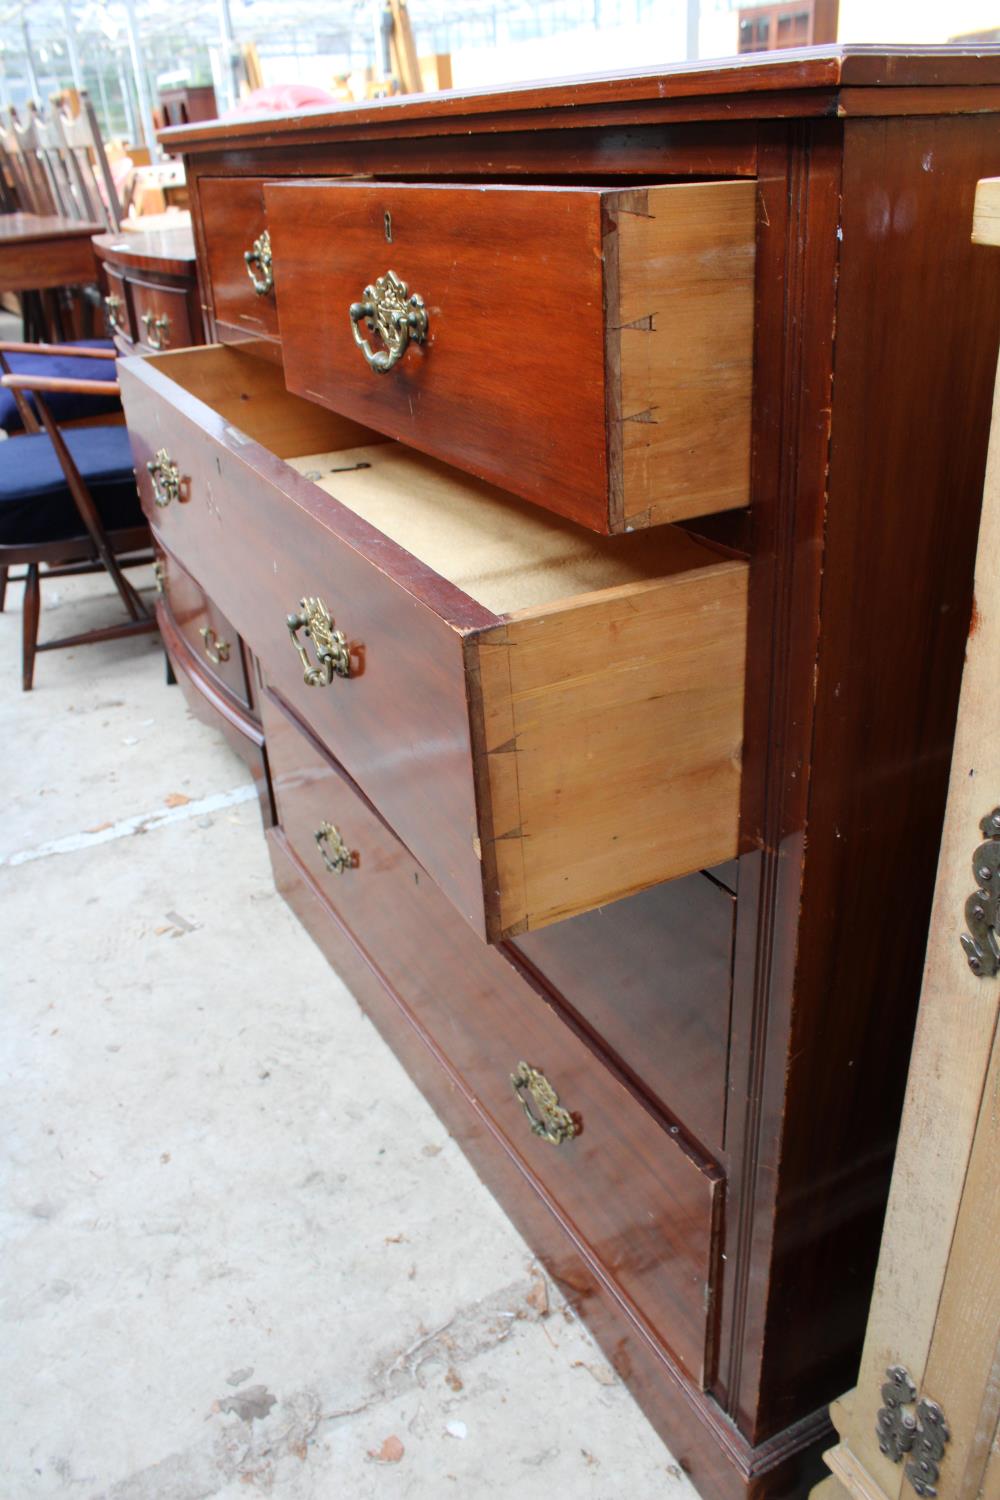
(811, 81)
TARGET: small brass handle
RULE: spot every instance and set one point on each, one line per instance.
(333, 851)
(217, 651)
(333, 655)
(397, 317)
(159, 575)
(156, 329)
(112, 306)
(541, 1106)
(259, 260)
(166, 478)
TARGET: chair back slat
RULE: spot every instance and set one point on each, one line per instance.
(57, 163)
(80, 133)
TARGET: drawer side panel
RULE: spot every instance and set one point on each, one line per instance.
(601, 781)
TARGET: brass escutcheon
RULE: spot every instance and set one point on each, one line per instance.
(333, 655)
(156, 329)
(335, 853)
(217, 651)
(112, 306)
(397, 317)
(541, 1106)
(258, 264)
(166, 478)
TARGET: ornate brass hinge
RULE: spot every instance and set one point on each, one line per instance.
(541, 1106)
(166, 477)
(259, 264)
(157, 329)
(112, 306)
(217, 651)
(398, 317)
(921, 1432)
(982, 910)
(333, 654)
(335, 853)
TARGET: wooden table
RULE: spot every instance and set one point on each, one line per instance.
(39, 251)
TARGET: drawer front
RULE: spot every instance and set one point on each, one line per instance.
(234, 219)
(587, 349)
(644, 1207)
(211, 636)
(162, 316)
(118, 307)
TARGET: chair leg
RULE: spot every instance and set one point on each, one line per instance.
(3, 587)
(29, 625)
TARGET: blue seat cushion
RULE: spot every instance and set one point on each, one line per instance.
(35, 500)
(65, 406)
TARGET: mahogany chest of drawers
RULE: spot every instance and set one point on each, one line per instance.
(151, 300)
(592, 473)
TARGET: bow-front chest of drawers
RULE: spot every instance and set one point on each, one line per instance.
(592, 473)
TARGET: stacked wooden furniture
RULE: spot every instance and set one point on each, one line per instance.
(593, 472)
(924, 1417)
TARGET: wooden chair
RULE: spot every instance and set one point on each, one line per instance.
(68, 502)
(83, 159)
(87, 360)
(23, 165)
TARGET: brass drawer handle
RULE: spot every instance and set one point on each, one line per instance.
(258, 263)
(157, 328)
(541, 1106)
(333, 655)
(113, 305)
(333, 851)
(159, 576)
(389, 311)
(217, 651)
(166, 478)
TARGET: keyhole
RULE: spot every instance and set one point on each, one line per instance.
(388, 226)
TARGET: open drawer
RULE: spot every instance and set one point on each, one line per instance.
(588, 348)
(549, 720)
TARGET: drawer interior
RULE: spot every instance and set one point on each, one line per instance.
(501, 551)
(506, 554)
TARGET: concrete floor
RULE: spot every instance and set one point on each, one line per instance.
(242, 1254)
